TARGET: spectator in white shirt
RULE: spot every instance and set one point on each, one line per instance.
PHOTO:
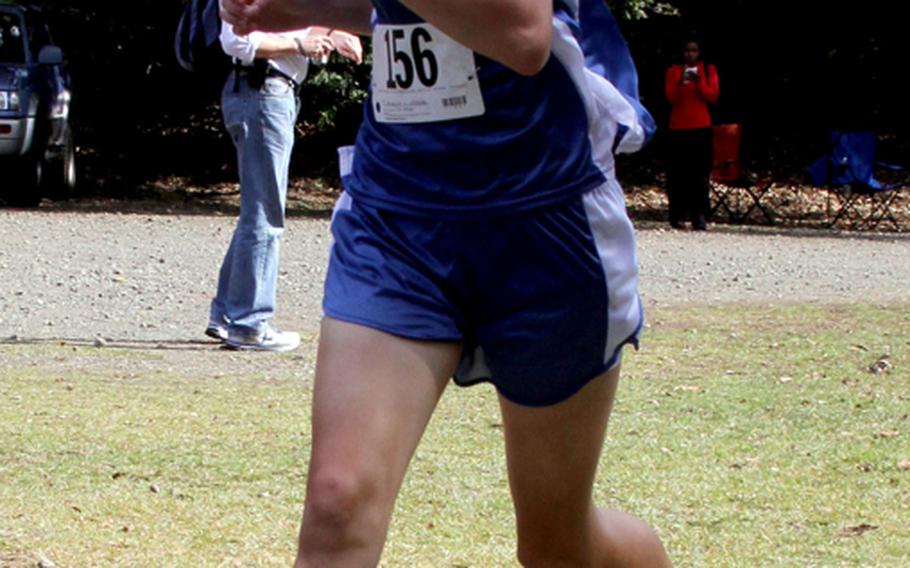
(260, 106)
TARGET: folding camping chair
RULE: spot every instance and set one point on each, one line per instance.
(848, 173)
(733, 192)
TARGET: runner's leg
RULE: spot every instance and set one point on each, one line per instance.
(373, 396)
(552, 457)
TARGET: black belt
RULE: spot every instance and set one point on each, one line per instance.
(252, 73)
(276, 73)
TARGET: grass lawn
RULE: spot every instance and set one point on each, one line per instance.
(747, 436)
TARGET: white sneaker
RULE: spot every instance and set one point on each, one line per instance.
(217, 331)
(268, 339)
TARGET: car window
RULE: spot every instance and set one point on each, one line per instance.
(12, 44)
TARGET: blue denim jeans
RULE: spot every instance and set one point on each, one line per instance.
(261, 124)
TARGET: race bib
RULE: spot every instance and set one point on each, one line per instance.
(422, 75)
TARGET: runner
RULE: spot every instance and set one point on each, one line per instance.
(482, 235)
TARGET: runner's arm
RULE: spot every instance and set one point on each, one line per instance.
(284, 15)
(516, 33)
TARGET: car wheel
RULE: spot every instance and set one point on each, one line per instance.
(68, 176)
(59, 178)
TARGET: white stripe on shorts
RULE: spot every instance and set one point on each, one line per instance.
(614, 238)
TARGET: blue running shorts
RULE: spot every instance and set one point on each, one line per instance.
(541, 302)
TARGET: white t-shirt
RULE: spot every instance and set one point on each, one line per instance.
(244, 49)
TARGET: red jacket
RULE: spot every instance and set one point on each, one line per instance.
(689, 100)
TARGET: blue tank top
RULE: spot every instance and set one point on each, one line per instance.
(529, 146)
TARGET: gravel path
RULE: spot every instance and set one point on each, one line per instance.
(147, 280)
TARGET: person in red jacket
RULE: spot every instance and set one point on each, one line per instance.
(690, 87)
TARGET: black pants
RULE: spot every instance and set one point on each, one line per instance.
(689, 163)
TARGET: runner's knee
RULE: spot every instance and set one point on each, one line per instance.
(616, 539)
(631, 542)
(339, 501)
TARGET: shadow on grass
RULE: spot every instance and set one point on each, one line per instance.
(126, 344)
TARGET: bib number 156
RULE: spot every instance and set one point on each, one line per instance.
(422, 75)
(409, 53)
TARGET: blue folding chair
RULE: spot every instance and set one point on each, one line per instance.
(848, 170)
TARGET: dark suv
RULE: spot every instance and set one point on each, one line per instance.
(37, 153)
